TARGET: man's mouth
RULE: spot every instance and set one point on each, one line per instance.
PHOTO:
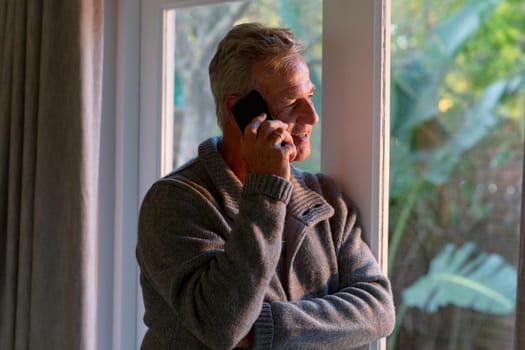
(300, 137)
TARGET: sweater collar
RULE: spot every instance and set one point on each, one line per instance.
(305, 204)
(223, 178)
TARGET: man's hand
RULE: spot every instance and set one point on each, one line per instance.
(267, 147)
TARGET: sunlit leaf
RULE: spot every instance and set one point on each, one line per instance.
(485, 283)
(417, 81)
(459, 26)
(478, 122)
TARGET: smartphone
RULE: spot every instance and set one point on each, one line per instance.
(248, 108)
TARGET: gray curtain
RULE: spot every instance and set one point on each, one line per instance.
(50, 83)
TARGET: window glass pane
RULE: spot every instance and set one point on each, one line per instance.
(458, 105)
(196, 33)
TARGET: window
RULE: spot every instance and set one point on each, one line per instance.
(456, 172)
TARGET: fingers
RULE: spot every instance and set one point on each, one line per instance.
(252, 128)
(283, 140)
(279, 135)
(260, 128)
(286, 144)
(267, 147)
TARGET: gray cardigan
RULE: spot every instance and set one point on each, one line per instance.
(214, 262)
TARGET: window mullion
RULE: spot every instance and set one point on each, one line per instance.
(519, 327)
(355, 135)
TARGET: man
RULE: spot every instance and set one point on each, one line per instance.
(239, 249)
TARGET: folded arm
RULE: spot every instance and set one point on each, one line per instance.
(358, 312)
(213, 276)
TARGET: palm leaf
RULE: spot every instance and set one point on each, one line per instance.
(415, 84)
(479, 120)
(460, 25)
(485, 283)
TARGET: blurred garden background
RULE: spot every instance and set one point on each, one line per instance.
(457, 123)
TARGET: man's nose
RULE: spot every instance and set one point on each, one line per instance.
(307, 113)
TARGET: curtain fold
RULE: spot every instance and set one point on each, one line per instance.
(50, 95)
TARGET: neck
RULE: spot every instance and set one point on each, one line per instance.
(229, 148)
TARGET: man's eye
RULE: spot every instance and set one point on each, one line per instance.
(290, 105)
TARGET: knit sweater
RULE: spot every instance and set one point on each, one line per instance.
(219, 257)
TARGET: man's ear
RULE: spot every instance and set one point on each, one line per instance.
(229, 101)
(230, 125)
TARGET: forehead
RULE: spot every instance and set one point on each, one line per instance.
(295, 76)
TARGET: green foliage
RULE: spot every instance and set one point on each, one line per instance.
(457, 28)
(416, 88)
(428, 143)
(485, 283)
(458, 68)
(417, 79)
(498, 46)
(478, 121)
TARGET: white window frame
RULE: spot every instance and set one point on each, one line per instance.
(119, 314)
(356, 90)
(356, 102)
(355, 96)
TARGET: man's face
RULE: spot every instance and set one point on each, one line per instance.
(289, 98)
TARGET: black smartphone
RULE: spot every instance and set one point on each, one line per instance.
(249, 107)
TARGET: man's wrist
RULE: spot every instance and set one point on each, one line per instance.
(271, 185)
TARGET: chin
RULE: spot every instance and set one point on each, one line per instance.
(302, 155)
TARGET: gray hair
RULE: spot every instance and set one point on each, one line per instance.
(245, 45)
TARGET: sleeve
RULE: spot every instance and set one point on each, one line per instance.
(359, 312)
(212, 277)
